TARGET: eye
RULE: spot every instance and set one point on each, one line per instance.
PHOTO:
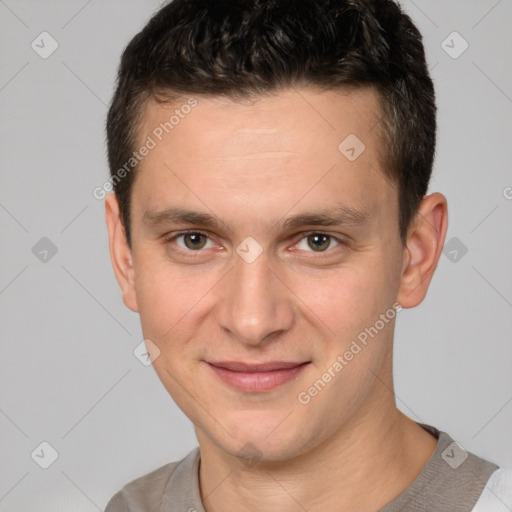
(192, 240)
(317, 242)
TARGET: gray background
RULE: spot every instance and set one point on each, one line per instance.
(68, 375)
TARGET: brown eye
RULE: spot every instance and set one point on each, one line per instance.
(319, 242)
(194, 240)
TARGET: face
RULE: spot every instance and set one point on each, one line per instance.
(257, 241)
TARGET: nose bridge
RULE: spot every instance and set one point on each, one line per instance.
(254, 303)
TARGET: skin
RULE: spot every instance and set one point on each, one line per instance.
(252, 165)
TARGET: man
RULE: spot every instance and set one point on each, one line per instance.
(270, 162)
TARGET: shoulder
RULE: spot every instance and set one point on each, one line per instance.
(143, 493)
(497, 494)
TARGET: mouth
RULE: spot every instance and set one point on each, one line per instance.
(256, 377)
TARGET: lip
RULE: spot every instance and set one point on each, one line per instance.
(256, 377)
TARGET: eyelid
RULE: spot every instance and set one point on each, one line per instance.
(174, 236)
(300, 237)
(305, 234)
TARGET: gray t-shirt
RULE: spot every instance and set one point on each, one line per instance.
(451, 481)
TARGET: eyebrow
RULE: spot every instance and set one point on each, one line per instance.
(178, 215)
(340, 215)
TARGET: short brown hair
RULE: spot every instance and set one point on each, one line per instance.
(241, 48)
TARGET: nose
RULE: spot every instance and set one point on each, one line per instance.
(256, 307)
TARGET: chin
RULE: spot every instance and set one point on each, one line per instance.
(263, 442)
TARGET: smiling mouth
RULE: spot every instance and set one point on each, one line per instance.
(256, 377)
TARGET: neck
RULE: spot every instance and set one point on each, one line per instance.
(363, 466)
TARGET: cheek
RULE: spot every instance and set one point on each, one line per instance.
(170, 308)
(167, 296)
(345, 299)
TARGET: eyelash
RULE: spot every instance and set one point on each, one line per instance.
(322, 233)
(190, 252)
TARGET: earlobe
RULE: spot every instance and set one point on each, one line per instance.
(120, 252)
(423, 249)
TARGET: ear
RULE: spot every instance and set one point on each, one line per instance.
(120, 252)
(423, 248)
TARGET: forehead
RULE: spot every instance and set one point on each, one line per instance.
(279, 120)
(294, 146)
